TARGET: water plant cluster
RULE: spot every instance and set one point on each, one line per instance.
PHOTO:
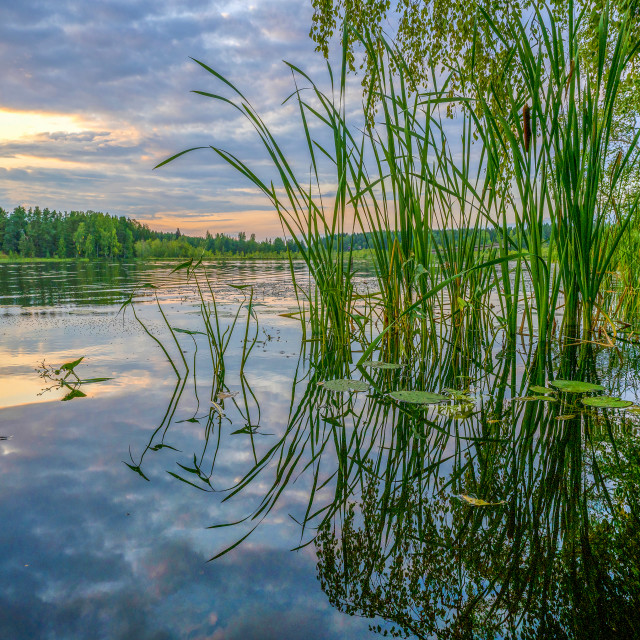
(539, 168)
(465, 430)
(443, 499)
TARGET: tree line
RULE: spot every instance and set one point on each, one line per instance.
(45, 233)
(42, 233)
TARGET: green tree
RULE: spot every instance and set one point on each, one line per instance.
(15, 228)
(439, 35)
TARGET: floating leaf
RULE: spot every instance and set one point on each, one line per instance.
(456, 411)
(250, 429)
(534, 398)
(344, 385)
(76, 393)
(607, 402)
(70, 366)
(223, 394)
(373, 364)
(634, 409)
(138, 470)
(538, 389)
(477, 502)
(418, 397)
(576, 386)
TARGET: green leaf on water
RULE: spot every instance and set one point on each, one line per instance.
(76, 393)
(538, 389)
(576, 386)
(606, 402)
(373, 364)
(534, 398)
(70, 366)
(634, 409)
(344, 385)
(418, 397)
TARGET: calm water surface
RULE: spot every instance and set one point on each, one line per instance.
(107, 501)
(90, 549)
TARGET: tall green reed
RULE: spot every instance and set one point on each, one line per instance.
(540, 156)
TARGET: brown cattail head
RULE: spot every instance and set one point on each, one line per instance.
(526, 126)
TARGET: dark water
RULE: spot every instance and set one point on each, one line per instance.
(106, 501)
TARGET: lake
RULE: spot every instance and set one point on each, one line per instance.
(493, 513)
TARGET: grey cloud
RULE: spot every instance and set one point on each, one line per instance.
(128, 64)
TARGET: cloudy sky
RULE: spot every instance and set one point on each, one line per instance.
(94, 94)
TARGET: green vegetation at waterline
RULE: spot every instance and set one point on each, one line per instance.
(542, 165)
(41, 233)
(65, 377)
(442, 497)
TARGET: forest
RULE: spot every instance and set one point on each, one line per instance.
(44, 233)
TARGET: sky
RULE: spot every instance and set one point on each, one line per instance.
(94, 94)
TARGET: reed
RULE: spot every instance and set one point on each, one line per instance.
(538, 151)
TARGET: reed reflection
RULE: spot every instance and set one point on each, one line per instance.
(447, 496)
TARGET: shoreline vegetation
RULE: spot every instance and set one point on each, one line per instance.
(44, 234)
(537, 198)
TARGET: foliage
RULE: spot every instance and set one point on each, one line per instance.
(42, 233)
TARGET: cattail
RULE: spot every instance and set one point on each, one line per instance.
(526, 125)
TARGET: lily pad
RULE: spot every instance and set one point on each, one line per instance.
(418, 397)
(373, 364)
(344, 385)
(576, 386)
(538, 389)
(607, 402)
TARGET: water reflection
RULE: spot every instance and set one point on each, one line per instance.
(375, 486)
(500, 512)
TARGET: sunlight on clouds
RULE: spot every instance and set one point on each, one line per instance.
(34, 162)
(262, 223)
(22, 124)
